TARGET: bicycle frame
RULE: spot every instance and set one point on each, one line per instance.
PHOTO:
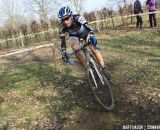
(96, 77)
(83, 48)
(88, 59)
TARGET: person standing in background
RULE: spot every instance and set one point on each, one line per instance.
(137, 11)
(152, 7)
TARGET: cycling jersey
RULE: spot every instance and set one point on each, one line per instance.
(79, 28)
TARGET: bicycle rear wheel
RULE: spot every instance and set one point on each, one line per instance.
(100, 86)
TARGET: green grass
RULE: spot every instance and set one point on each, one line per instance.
(141, 52)
(35, 95)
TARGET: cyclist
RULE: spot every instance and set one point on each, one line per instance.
(78, 28)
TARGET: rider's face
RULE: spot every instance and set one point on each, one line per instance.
(68, 21)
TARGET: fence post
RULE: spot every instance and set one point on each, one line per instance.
(54, 55)
(22, 44)
(112, 22)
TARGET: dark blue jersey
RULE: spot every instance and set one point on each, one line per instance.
(79, 28)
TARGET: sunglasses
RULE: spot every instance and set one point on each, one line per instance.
(65, 19)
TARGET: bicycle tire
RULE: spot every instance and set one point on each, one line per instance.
(96, 85)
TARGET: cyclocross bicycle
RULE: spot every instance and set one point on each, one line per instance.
(97, 80)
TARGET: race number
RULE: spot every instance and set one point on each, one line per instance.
(82, 20)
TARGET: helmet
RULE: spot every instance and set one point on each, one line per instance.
(64, 12)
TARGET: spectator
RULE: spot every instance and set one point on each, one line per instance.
(137, 11)
(152, 7)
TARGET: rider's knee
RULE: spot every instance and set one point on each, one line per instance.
(74, 42)
(93, 50)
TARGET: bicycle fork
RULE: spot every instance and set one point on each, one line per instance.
(90, 60)
(97, 71)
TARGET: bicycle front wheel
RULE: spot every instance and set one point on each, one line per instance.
(101, 87)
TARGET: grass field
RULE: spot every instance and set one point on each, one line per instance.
(34, 95)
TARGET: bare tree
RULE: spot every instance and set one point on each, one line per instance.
(45, 28)
(90, 16)
(35, 28)
(18, 21)
(121, 11)
(24, 30)
(104, 13)
(54, 23)
(78, 4)
(124, 2)
(110, 14)
(41, 7)
(44, 25)
(97, 16)
(123, 6)
(130, 10)
(9, 9)
(7, 33)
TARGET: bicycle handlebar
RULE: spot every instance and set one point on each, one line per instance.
(75, 51)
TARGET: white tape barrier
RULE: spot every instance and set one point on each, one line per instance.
(26, 50)
(51, 30)
(126, 16)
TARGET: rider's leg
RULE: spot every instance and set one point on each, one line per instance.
(98, 56)
(74, 43)
(100, 59)
(96, 53)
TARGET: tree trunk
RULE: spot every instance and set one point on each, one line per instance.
(112, 22)
(22, 43)
(97, 23)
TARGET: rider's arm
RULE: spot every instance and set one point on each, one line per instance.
(63, 38)
(83, 22)
(88, 27)
(63, 42)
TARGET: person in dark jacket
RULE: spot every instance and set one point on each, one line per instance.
(152, 7)
(138, 10)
